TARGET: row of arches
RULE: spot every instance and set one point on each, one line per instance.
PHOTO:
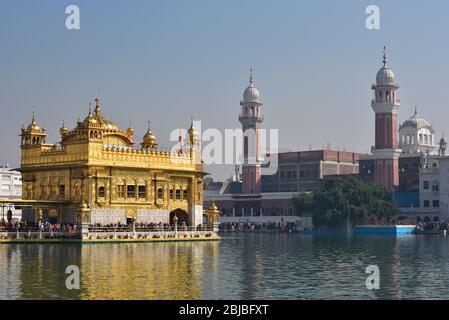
(385, 96)
(253, 111)
(33, 140)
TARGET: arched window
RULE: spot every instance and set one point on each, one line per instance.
(160, 193)
(387, 96)
(185, 194)
(178, 193)
(121, 190)
(101, 192)
(62, 191)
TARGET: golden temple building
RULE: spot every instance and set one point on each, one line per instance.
(100, 166)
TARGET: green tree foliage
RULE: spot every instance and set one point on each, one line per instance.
(346, 196)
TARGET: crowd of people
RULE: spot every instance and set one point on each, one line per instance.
(249, 226)
(138, 227)
(23, 226)
(435, 226)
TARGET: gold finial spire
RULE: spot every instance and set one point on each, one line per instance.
(33, 119)
(97, 106)
(63, 130)
(90, 109)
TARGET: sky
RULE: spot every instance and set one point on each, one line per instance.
(164, 61)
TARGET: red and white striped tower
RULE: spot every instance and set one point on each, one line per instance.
(385, 105)
(251, 119)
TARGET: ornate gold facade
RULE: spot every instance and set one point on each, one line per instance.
(100, 164)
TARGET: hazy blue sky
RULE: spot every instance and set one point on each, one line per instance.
(314, 63)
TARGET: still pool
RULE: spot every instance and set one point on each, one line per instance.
(240, 266)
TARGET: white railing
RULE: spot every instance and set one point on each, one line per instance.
(108, 233)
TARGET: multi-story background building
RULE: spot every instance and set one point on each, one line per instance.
(301, 171)
(10, 188)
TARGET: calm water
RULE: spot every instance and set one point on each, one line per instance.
(251, 266)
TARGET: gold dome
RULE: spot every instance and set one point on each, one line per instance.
(130, 131)
(213, 209)
(63, 130)
(98, 120)
(149, 139)
(33, 126)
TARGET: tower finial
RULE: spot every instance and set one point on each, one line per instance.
(97, 107)
(90, 109)
(416, 110)
(385, 56)
(149, 125)
(251, 76)
(33, 119)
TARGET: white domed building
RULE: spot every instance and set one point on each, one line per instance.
(417, 135)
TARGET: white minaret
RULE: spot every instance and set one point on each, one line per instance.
(251, 119)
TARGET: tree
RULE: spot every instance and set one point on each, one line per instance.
(346, 197)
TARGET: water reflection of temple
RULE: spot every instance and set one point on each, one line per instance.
(117, 271)
(139, 271)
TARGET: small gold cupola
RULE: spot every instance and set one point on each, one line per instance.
(33, 134)
(149, 140)
(63, 130)
(130, 131)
